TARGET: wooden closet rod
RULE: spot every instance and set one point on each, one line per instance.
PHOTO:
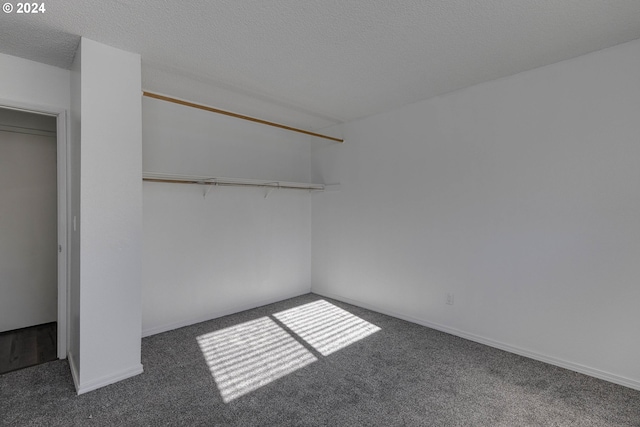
(236, 115)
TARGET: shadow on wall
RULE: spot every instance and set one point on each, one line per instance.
(245, 357)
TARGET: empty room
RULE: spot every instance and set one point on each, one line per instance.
(265, 213)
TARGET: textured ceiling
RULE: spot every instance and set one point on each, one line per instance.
(329, 60)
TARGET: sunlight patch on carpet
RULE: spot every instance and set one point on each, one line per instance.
(325, 327)
(245, 357)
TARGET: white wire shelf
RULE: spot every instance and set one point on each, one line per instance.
(221, 181)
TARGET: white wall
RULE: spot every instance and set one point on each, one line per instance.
(28, 221)
(110, 215)
(519, 196)
(29, 82)
(204, 258)
(179, 139)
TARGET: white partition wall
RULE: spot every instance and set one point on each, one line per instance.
(109, 219)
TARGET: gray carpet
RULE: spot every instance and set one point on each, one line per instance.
(401, 374)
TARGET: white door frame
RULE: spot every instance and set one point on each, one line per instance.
(64, 239)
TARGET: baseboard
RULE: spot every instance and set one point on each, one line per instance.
(74, 370)
(593, 372)
(210, 316)
(109, 379)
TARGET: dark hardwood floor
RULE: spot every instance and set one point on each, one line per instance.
(26, 347)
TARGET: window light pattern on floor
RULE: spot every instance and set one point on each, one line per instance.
(324, 326)
(245, 357)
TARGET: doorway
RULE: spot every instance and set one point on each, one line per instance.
(33, 267)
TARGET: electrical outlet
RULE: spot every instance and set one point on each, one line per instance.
(450, 299)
